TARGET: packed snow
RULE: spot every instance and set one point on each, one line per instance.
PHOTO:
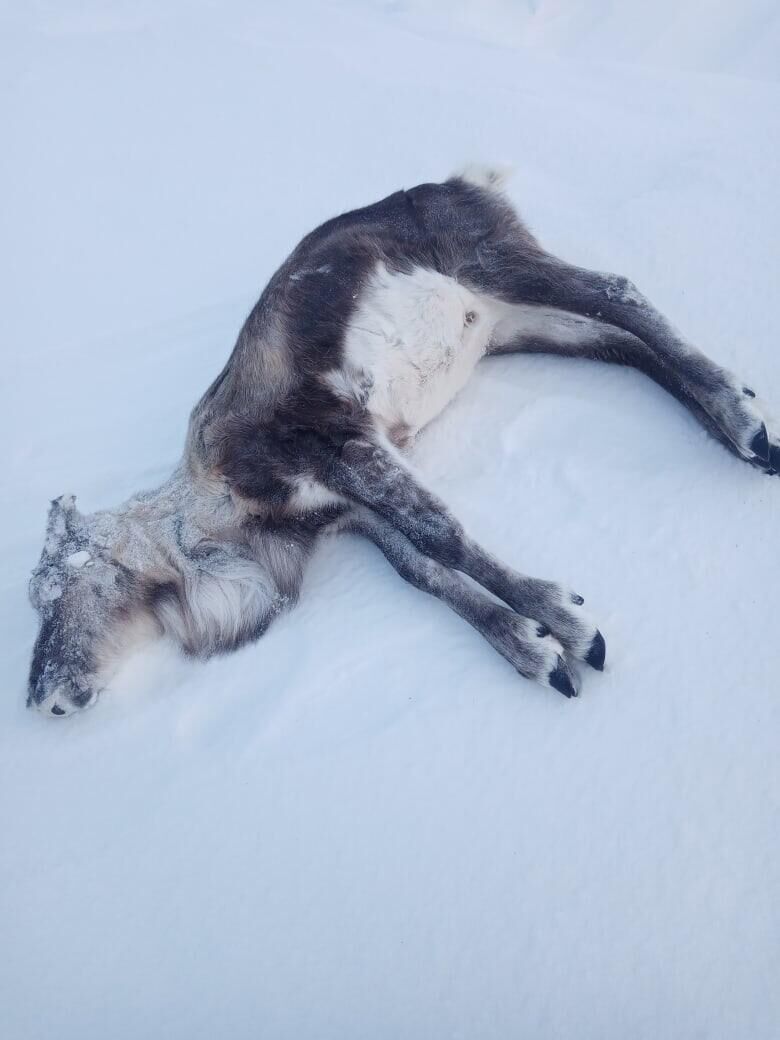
(367, 825)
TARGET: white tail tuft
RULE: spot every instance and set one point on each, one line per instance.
(493, 177)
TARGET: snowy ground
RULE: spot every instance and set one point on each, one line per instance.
(367, 825)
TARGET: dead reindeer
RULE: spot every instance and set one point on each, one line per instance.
(370, 327)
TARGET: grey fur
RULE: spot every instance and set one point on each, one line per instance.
(284, 445)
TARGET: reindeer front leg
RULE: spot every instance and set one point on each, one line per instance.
(548, 626)
(526, 644)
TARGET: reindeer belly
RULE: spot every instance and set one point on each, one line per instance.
(412, 344)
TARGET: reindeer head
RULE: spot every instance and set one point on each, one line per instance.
(84, 598)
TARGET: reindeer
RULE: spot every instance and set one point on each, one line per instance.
(365, 333)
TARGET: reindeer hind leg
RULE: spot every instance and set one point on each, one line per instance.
(536, 329)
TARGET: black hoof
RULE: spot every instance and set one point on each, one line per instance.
(597, 654)
(760, 444)
(560, 681)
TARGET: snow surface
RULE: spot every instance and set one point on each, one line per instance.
(367, 825)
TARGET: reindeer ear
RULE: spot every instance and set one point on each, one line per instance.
(64, 504)
(63, 521)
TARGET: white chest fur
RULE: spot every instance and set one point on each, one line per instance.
(412, 345)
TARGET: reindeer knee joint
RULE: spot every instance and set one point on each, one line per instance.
(618, 287)
(441, 537)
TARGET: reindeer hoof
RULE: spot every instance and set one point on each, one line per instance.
(760, 444)
(768, 463)
(560, 680)
(597, 654)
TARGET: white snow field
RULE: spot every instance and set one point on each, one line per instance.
(367, 825)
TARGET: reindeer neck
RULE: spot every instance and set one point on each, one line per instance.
(158, 530)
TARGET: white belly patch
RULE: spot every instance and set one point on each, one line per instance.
(411, 346)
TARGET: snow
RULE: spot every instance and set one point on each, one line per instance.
(367, 824)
